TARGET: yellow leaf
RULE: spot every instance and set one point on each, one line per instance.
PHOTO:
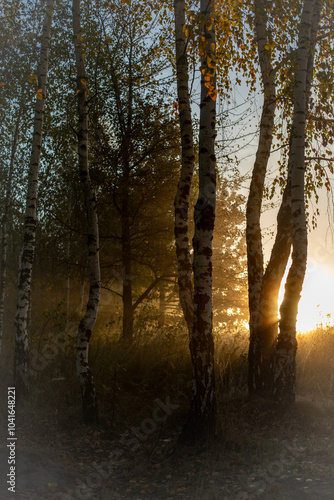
(83, 81)
(39, 94)
(2, 84)
(209, 25)
(213, 94)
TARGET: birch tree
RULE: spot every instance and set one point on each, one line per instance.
(85, 376)
(181, 203)
(21, 364)
(201, 420)
(259, 345)
(138, 136)
(264, 284)
(265, 329)
(284, 362)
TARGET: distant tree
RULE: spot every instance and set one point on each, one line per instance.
(229, 259)
(135, 157)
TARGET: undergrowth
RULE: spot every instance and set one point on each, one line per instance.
(315, 367)
(130, 377)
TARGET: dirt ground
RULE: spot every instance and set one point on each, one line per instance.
(259, 453)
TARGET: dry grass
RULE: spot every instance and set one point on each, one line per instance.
(315, 367)
(130, 377)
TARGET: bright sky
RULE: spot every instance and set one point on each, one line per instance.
(317, 299)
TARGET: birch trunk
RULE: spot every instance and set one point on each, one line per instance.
(21, 364)
(267, 328)
(259, 343)
(181, 202)
(284, 362)
(85, 376)
(201, 421)
(5, 220)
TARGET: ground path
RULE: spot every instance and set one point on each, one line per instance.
(258, 455)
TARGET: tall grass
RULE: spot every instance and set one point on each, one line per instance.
(315, 362)
(129, 377)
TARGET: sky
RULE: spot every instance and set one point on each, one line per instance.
(238, 130)
(317, 299)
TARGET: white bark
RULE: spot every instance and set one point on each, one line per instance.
(285, 352)
(181, 202)
(259, 346)
(201, 422)
(21, 374)
(89, 399)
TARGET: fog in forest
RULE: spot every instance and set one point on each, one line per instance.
(166, 252)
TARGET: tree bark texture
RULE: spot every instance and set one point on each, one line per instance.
(85, 376)
(201, 421)
(21, 364)
(260, 343)
(284, 362)
(181, 202)
(267, 329)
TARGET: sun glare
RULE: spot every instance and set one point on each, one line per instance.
(316, 304)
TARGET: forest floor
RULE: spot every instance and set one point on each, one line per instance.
(260, 453)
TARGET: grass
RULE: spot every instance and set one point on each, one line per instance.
(130, 377)
(315, 368)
